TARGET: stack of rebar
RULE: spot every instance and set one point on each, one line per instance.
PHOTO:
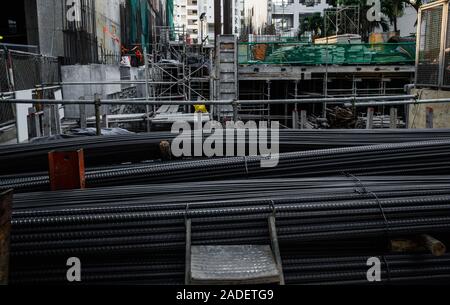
(137, 234)
(107, 150)
(415, 158)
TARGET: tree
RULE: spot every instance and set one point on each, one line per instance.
(313, 23)
(414, 3)
(393, 9)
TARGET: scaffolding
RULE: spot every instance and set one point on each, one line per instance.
(184, 67)
(176, 70)
(342, 20)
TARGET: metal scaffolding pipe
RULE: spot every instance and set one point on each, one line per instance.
(112, 82)
(403, 102)
(372, 101)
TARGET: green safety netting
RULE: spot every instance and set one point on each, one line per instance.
(170, 18)
(317, 54)
(139, 23)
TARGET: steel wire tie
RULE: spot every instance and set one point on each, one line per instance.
(246, 166)
(388, 269)
(366, 191)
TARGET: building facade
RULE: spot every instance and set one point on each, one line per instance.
(197, 17)
(186, 16)
(83, 31)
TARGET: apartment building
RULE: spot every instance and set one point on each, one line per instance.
(197, 16)
(186, 14)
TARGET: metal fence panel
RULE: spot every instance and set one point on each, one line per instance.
(6, 110)
(430, 46)
(26, 70)
(29, 70)
(4, 83)
(446, 81)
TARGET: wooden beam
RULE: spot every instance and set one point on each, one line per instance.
(393, 118)
(429, 117)
(423, 242)
(295, 119)
(369, 123)
(436, 247)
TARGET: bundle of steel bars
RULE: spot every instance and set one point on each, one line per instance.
(327, 228)
(107, 150)
(415, 158)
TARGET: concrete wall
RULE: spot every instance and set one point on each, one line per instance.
(44, 26)
(108, 25)
(417, 113)
(85, 73)
(50, 24)
(31, 22)
(45, 21)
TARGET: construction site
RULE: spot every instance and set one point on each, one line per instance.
(97, 99)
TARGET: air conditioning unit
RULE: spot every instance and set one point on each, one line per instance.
(433, 45)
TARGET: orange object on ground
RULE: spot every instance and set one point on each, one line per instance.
(66, 170)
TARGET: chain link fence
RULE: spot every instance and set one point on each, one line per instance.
(28, 71)
(447, 55)
(429, 47)
(4, 80)
(6, 110)
(31, 70)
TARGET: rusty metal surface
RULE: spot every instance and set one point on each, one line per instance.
(5, 229)
(66, 170)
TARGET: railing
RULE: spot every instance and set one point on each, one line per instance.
(296, 53)
(20, 47)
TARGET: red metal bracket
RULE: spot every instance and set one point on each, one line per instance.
(5, 230)
(66, 170)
